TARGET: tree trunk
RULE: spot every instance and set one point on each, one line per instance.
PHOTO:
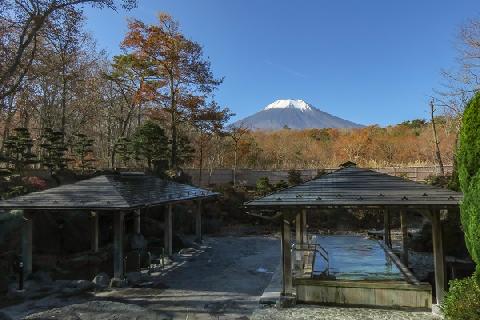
(200, 164)
(173, 159)
(64, 100)
(438, 157)
(112, 157)
(235, 166)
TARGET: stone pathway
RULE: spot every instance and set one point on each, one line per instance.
(222, 281)
(303, 312)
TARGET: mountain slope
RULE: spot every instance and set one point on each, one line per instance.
(294, 114)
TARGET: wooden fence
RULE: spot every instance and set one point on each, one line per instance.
(249, 177)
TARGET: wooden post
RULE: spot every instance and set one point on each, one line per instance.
(304, 226)
(438, 257)
(137, 221)
(167, 231)
(198, 221)
(94, 231)
(118, 230)
(386, 228)
(404, 227)
(27, 233)
(287, 285)
(298, 239)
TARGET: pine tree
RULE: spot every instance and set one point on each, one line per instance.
(83, 150)
(54, 150)
(150, 143)
(18, 150)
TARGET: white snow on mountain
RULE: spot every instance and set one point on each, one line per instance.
(289, 103)
(294, 114)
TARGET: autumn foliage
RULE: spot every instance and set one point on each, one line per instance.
(372, 146)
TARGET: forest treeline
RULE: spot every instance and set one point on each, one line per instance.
(406, 144)
(65, 104)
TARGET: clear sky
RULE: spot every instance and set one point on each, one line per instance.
(368, 61)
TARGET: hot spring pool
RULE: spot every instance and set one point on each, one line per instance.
(356, 258)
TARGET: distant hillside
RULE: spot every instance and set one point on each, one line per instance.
(294, 114)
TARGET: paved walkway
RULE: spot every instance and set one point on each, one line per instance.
(333, 313)
(223, 280)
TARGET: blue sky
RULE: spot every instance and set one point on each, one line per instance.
(370, 61)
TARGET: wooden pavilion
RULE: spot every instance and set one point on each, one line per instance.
(115, 194)
(354, 188)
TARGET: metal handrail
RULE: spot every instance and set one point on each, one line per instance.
(313, 247)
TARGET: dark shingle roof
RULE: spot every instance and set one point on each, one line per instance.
(109, 192)
(352, 186)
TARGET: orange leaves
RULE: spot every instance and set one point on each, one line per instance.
(370, 146)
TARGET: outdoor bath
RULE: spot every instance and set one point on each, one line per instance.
(360, 272)
(355, 257)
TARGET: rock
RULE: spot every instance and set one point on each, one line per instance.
(84, 285)
(42, 277)
(77, 287)
(101, 280)
(188, 251)
(286, 302)
(118, 283)
(135, 277)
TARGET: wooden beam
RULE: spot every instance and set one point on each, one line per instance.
(386, 228)
(167, 230)
(118, 234)
(438, 256)
(287, 283)
(404, 228)
(198, 221)
(298, 239)
(94, 234)
(27, 246)
(137, 221)
(304, 226)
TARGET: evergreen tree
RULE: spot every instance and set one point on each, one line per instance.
(123, 148)
(83, 151)
(54, 149)
(18, 150)
(185, 151)
(468, 160)
(150, 143)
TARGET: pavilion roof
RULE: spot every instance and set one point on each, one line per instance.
(352, 186)
(109, 192)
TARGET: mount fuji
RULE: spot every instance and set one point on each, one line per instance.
(294, 114)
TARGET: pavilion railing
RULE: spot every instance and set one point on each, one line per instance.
(309, 253)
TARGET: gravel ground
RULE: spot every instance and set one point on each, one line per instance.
(303, 312)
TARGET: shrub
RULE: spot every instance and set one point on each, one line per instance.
(462, 302)
(470, 217)
(281, 185)
(439, 181)
(263, 186)
(34, 183)
(468, 154)
(294, 177)
(468, 160)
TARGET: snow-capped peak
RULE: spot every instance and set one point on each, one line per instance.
(289, 103)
